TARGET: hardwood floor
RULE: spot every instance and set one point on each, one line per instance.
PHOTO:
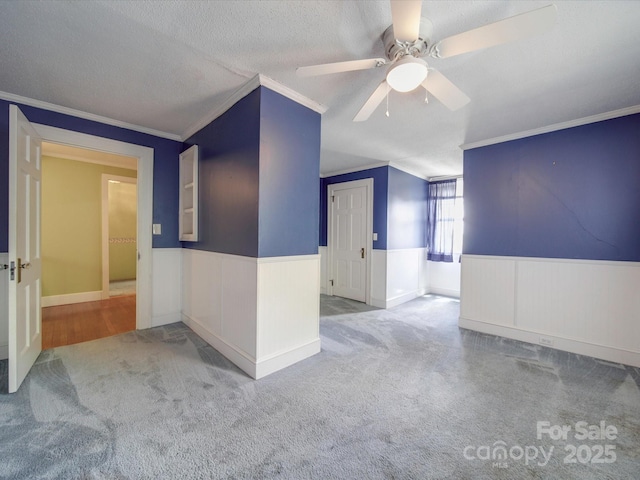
(81, 322)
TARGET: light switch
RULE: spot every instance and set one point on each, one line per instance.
(375, 237)
(157, 229)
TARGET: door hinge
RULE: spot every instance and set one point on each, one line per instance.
(12, 269)
(333, 198)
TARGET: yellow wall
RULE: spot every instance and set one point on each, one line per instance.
(123, 224)
(72, 225)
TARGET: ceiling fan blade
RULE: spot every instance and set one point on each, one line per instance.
(372, 103)
(504, 31)
(441, 87)
(340, 67)
(405, 15)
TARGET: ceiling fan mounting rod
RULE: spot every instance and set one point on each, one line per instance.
(396, 49)
(415, 49)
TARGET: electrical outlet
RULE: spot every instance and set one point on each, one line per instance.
(546, 342)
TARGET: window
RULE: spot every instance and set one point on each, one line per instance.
(445, 212)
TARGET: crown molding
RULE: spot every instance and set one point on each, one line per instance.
(410, 171)
(244, 90)
(291, 94)
(10, 97)
(623, 112)
(402, 168)
(354, 169)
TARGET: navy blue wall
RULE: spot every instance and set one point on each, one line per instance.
(380, 177)
(406, 210)
(165, 169)
(289, 172)
(228, 180)
(574, 193)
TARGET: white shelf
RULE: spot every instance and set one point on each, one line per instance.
(189, 194)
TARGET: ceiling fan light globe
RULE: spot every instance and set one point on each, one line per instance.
(407, 74)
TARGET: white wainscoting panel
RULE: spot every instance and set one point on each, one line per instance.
(288, 311)
(425, 272)
(262, 314)
(219, 296)
(166, 291)
(593, 302)
(487, 290)
(4, 308)
(323, 252)
(406, 272)
(581, 306)
(239, 303)
(444, 278)
(379, 278)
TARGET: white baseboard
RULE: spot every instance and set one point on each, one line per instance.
(559, 343)
(4, 352)
(282, 360)
(236, 356)
(246, 363)
(54, 300)
(378, 302)
(166, 319)
(398, 300)
(446, 292)
(404, 298)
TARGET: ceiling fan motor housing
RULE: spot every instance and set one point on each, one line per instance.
(395, 49)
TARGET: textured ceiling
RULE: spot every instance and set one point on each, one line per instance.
(167, 65)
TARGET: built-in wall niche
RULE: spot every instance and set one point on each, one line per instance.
(189, 195)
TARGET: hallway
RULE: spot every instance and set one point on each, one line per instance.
(81, 322)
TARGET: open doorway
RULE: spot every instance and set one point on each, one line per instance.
(89, 225)
(119, 228)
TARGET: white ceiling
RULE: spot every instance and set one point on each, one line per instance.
(166, 65)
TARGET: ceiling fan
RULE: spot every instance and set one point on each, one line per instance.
(408, 40)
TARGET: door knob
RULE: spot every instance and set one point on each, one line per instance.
(362, 252)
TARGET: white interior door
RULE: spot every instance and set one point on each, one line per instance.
(25, 321)
(349, 241)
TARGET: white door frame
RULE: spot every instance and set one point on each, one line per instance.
(368, 184)
(105, 226)
(144, 155)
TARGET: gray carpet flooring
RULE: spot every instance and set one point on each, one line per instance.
(400, 393)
